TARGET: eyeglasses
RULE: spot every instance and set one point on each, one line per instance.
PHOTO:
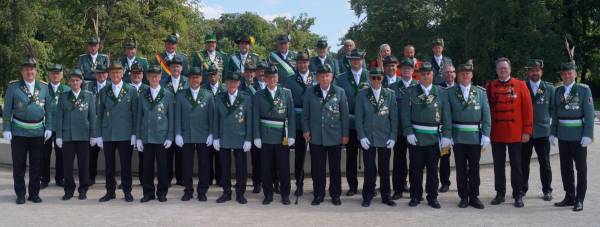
(376, 78)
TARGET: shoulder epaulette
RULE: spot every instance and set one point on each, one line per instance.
(13, 81)
(480, 87)
(82, 55)
(43, 82)
(583, 85)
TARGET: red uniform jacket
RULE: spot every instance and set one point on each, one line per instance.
(511, 110)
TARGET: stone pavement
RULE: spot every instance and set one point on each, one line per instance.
(55, 212)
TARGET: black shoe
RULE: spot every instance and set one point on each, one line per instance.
(241, 199)
(224, 198)
(476, 203)
(351, 192)
(60, 183)
(43, 185)
(518, 202)
(366, 203)
(256, 189)
(285, 200)
(547, 196)
(498, 200)
(107, 197)
(120, 186)
(299, 191)
(20, 200)
(147, 198)
(162, 199)
(92, 182)
(397, 196)
(389, 202)
(444, 188)
(67, 196)
(578, 206)
(565, 202)
(267, 200)
(336, 201)
(434, 203)
(35, 199)
(186, 197)
(128, 197)
(464, 203)
(82, 196)
(414, 202)
(316, 201)
(202, 197)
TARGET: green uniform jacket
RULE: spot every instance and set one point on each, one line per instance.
(423, 115)
(127, 72)
(76, 117)
(289, 63)
(315, 63)
(117, 114)
(326, 118)
(201, 59)
(194, 118)
(221, 88)
(29, 109)
(156, 118)
(400, 91)
(250, 89)
(168, 84)
(53, 106)
(470, 119)
(235, 61)
(376, 121)
(298, 88)
(574, 115)
(543, 108)
(87, 66)
(346, 82)
(273, 115)
(233, 121)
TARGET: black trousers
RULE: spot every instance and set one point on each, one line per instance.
(81, 149)
(400, 171)
(240, 170)
(424, 157)
(542, 149)
(275, 156)
(94, 162)
(21, 147)
(187, 157)
(380, 157)
(352, 160)
(445, 168)
(256, 170)
(214, 165)
(58, 161)
(152, 153)
(140, 166)
(319, 157)
(174, 163)
(516, 173)
(569, 152)
(466, 157)
(299, 157)
(125, 150)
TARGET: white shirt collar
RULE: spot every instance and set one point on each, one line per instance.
(356, 75)
(304, 76)
(55, 86)
(438, 59)
(272, 92)
(170, 55)
(175, 82)
(94, 56)
(507, 79)
(325, 91)
(100, 85)
(391, 79)
(284, 54)
(154, 91)
(117, 88)
(195, 92)
(214, 87)
(450, 85)
(130, 61)
(537, 84)
(426, 89)
(568, 89)
(76, 93)
(244, 55)
(465, 91)
(376, 92)
(262, 84)
(407, 83)
(211, 53)
(137, 86)
(232, 96)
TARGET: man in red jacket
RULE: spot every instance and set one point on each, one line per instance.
(512, 124)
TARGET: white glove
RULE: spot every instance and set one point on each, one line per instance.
(216, 144)
(47, 135)
(179, 140)
(390, 144)
(247, 146)
(7, 135)
(133, 140)
(485, 141)
(445, 142)
(139, 145)
(168, 144)
(258, 143)
(585, 141)
(412, 139)
(364, 143)
(553, 140)
(99, 142)
(59, 142)
(291, 142)
(92, 142)
(209, 140)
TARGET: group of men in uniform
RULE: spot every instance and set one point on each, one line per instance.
(170, 112)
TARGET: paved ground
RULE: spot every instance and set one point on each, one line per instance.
(54, 212)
